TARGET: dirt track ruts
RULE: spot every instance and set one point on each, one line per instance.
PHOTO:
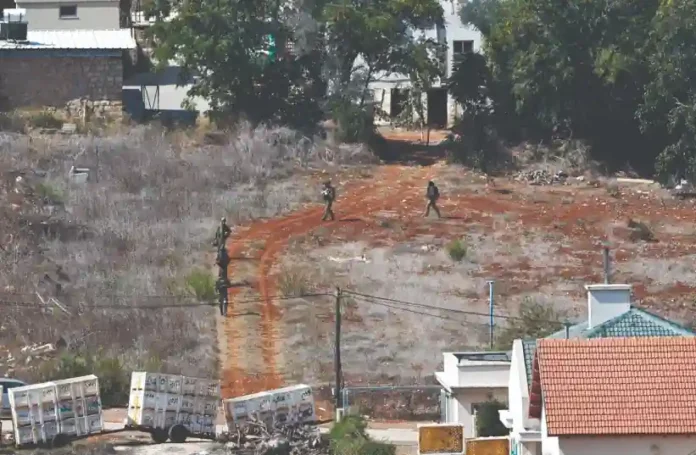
(360, 201)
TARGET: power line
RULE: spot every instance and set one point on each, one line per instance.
(40, 306)
(410, 307)
(439, 316)
(451, 310)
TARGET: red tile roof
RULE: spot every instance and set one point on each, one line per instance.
(612, 386)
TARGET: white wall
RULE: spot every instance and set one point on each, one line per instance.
(465, 399)
(94, 15)
(516, 386)
(454, 31)
(627, 445)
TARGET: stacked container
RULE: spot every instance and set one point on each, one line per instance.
(289, 405)
(79, 406)
(160, 401)
(42, 411)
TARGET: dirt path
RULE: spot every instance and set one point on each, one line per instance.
(249, 345)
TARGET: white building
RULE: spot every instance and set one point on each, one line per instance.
(71, 14)
(471, 378)
(610, 314)
(390, 90)
(632, 396)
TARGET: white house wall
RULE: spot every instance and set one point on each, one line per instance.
(516, 384)
(627, 445)
(90, 15)
(454, 31)
(485, 374)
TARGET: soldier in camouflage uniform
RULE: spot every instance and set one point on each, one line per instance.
(432, 194)
(222, 285)
(223, 231)
(329, 196)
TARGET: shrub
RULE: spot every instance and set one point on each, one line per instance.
(488, 420)
(640, 231)
(348, 437)
(355, 123)
(201, 284)
(113, 377)
(293, 283)
(44, 119)
(476, 144)
(456, 250)
(535, 320)
(49, 192)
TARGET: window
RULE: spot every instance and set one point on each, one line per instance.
(462, 47)
(67, 12)
(441, 33)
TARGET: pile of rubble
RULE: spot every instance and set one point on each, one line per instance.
(542, 177)
(256, 439)
(27, 357)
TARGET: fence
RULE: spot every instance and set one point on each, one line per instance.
(413, 402)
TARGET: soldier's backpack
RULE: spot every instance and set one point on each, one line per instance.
(329, 194)
(433, 192)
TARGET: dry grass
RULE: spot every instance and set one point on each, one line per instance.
(135, 234)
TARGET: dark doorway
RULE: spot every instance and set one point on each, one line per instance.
(399, 98)
(437, 108)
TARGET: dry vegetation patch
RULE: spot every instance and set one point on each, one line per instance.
(136, 233)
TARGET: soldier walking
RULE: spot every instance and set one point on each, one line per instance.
(223, 231)
(222, 285)
(222, 260)
(432, 194)
(329, 196)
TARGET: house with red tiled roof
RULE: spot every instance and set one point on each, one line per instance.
(610, 314)
(633, 396)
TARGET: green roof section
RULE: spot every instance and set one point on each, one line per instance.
(528, 349)
(639, 323)
(633, 323)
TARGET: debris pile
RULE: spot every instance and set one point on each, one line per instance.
(255, 439)
(26, 357)
(542, 177)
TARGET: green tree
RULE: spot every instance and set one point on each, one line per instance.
(535, 320)
(424, 65)
(669, 107)
(226, 44)
(577, 71)
(488, 420)
(374, 39)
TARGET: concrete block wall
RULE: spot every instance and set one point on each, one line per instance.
(28, 81)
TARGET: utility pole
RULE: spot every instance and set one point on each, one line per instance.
(337, 354)
(490, 312)
(607, 271)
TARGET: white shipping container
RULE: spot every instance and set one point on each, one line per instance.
(79, 405)
(159, 401)
(70, 406)
(294, 404)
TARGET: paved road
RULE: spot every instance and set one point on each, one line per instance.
(396, 436)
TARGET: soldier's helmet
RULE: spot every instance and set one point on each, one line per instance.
(327, 183)
(223, 219)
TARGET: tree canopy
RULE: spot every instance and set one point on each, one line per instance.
(226, 44)
(617, 73)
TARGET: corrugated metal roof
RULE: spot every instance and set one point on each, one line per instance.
(73, 40)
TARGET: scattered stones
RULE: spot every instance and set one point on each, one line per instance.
(542, 177)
